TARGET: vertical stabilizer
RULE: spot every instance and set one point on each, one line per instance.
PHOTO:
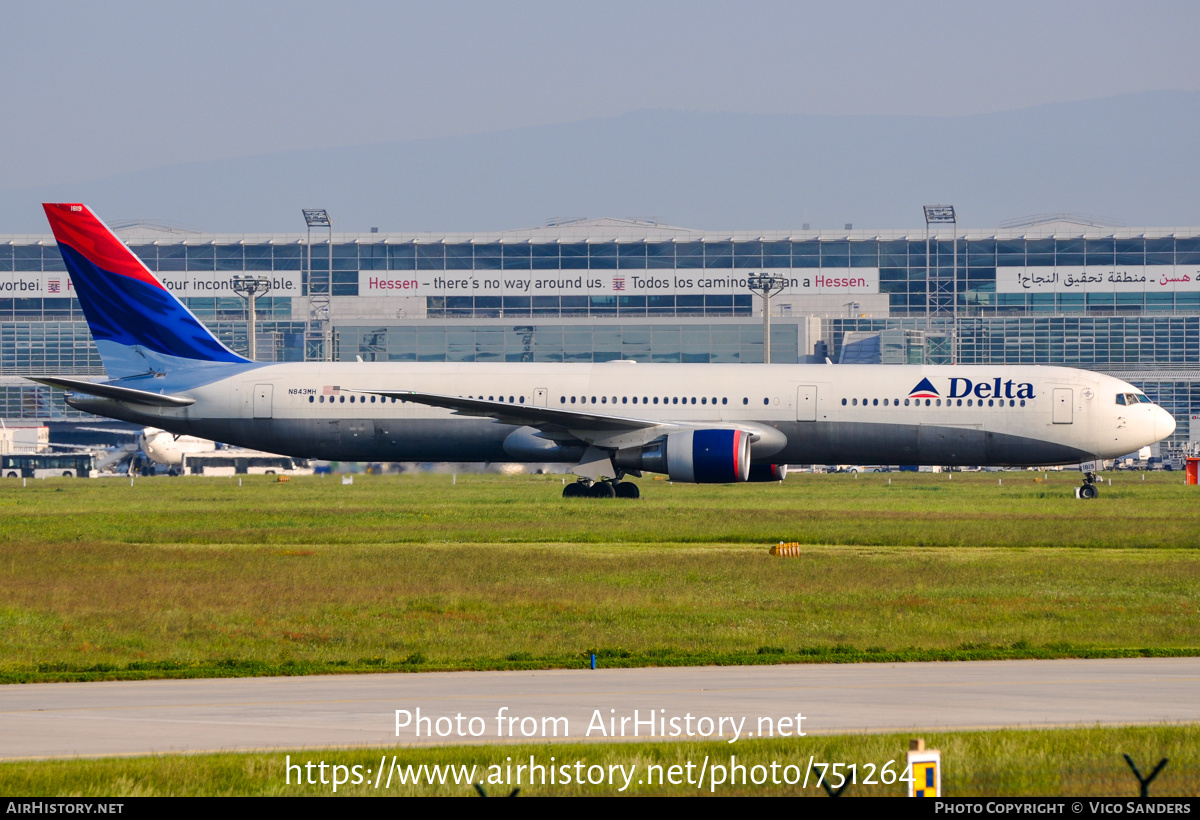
(138, 325)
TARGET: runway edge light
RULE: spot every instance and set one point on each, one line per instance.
(926, 768)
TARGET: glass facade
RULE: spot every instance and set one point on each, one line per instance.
(487, 307)
(26, 401)
(670, 343)
(905, 266)
(28, 348)
(1090, 342)
(66, 348)
(1133, 332)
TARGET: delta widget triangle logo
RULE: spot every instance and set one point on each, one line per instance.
(924, 390)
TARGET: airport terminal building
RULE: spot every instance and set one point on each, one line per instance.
(1059, 291)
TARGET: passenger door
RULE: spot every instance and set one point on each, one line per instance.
(1064, 403)
(806, 402)
(263, 401)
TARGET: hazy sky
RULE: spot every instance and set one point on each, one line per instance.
(94, 89)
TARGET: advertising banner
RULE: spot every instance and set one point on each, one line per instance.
(57, 284)
(1095, 279)
(815, 281)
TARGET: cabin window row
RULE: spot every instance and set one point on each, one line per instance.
(703, 400)
(342, 399)
(386, 399)
(933, 402)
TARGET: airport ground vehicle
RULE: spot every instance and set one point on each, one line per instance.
(48, 465)
(242, 462)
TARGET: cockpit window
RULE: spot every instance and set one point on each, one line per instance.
(1132, 398)
(1143, 398)
(1121, 399)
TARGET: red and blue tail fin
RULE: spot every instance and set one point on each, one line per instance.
(138, 325)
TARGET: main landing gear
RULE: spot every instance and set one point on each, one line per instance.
(1089, 489)
(586, 488)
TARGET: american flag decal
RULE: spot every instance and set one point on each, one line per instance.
(331, 390)
(618, 283)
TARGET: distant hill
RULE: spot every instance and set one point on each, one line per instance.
(1133, 158)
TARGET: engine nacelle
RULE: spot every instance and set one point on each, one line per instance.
(526, 444)
(768, 472)
(694, 456)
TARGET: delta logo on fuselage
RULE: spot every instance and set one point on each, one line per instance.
(985, 389)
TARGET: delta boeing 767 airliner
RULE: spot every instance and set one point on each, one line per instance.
(703, 423)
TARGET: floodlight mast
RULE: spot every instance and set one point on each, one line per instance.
(251, 287)
(766, 285)
(935, 290)
(318, 302)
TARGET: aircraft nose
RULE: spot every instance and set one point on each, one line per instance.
(1164, 424)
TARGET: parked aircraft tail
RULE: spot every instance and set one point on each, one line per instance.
(139, 326)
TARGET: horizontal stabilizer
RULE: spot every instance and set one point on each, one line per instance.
(111, 391)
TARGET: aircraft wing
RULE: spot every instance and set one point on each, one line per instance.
(123, 431)
(90, 448)
(561, 424)
(112, 391)
(521, 414)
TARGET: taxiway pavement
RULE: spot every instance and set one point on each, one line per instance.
(148, 717)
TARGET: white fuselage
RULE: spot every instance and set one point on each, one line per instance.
(953, 415)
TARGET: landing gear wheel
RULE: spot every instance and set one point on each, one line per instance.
(627, 489)
(1089, 490)
(602, 489)
(576, 490)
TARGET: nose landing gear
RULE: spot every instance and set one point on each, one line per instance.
(1089, 489)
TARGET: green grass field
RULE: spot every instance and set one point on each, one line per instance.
(1055, 762)
(203, 577)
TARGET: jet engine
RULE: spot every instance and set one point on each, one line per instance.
(768, 472)
(694, 456)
